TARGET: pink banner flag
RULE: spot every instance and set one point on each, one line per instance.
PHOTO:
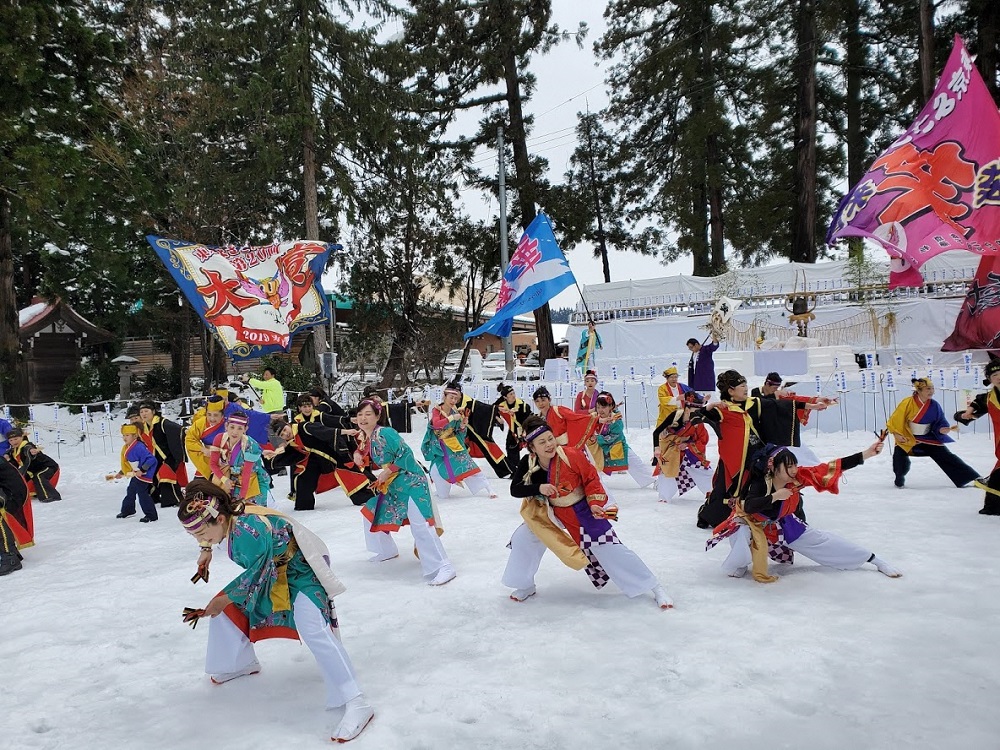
(937, 187)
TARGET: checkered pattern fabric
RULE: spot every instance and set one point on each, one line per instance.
(780, 552)
(685, 481)
(596, 572)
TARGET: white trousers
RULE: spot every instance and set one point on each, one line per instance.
(626, 570)
(667, 487)
(477, 483)
(425, 538)
(229, 650)
(819, 546)
(639, 470)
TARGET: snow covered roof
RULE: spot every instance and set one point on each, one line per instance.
(32, 312)
(41, 313)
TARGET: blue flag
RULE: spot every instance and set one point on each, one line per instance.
(537, 273)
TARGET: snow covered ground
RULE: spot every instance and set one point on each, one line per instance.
(94, 653)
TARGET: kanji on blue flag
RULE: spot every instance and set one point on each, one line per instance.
(537, 272)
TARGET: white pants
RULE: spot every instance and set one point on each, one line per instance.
(639, 470)
(229, 650)
(667, 487)
(425, 538)
(626, 570)
(477, 483)
(819, 546)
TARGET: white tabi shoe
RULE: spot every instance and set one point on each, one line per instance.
(739, 572)
(250, 669)
(445, 573)
(521, 594)
(382, 558)
(662, 600)
(885, 568)
(357, 716)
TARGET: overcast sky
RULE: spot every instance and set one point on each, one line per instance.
(570, 79)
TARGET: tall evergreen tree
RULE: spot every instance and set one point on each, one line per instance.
(475, 54)
(676, 99)
(52, 66)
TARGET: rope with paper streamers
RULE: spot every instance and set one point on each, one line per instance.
(747, 336)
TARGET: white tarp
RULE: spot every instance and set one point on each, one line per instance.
(745, 282)
(921, 324)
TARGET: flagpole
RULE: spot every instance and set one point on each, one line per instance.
(508, 348)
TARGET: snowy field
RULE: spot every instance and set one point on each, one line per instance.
(94, 652)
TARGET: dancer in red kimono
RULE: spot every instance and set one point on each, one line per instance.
(586, 400)
(565, 510)
(569, 427)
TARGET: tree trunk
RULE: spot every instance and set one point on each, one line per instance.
(12, 389)
(714, 169)
(309, 194)
(803, 247)
(701, 261)
(855, 135)
(525, 187)
(927, 49)
(602, 244)
(988, 49)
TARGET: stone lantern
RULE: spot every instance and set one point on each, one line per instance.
(125, 365)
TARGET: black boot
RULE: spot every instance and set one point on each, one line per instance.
(992, 505)
(9, 562)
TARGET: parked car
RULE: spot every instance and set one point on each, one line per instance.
(454, 358)
(494, 366)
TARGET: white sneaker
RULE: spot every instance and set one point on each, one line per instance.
(521, 594)
(222, 677)
(445, 574)
(662, 600)
(885, 568)
(739, 572)
(357, 716)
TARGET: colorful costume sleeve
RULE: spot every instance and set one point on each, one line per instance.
(251, 546)
(215, 462)
(589, 478)
(193, 445)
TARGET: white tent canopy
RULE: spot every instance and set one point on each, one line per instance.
(775, 279)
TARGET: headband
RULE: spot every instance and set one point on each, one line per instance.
(452, 389)
(237, 419)
(921, 382)
(773, 455)
(374, 403)
(768, 381)
(130, 429)
(536, 432)
(590, 374)
(202, 510)
(605, 399)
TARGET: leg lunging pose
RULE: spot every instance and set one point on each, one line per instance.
(920, 428)
(681, 456)
(139, 466)
(768, 519)
(565, 510)
(402, 497)
(286, 590)
(40, 472)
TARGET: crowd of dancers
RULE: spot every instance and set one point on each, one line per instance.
(555, 458)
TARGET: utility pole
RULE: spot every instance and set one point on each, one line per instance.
(508, 347)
